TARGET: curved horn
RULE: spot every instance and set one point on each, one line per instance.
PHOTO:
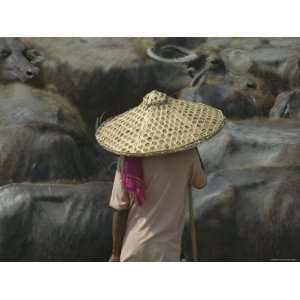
(189, 55)
(200, 77)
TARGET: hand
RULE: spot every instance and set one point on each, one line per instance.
(114, 258)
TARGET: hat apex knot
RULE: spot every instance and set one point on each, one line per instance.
(155, 98)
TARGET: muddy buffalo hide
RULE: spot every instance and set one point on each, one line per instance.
(62, 214)
(233, 103)
(249, 210)
(55, 222)
(42, 137)
(272, 58)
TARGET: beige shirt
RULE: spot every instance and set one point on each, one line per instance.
(154, 228)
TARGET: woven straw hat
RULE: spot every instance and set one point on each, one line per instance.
(159, 125)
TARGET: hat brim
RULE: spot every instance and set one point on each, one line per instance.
(147, 131)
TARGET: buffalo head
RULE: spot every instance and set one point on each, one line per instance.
(17, 62)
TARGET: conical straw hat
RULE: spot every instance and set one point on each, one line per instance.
(159, 125)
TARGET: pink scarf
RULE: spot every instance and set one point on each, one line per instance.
(132, 176)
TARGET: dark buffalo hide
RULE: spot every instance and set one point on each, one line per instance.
(248, 215)
(233, 103)
(249, 210)
(42, 137)
(55, 222)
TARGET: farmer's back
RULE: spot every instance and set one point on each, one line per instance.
(154, 228)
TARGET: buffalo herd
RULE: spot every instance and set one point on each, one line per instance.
(55, 180)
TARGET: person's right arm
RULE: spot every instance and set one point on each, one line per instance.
(118, 231)
(198, 176)
(120, 202)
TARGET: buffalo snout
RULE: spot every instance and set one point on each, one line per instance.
(31, 72)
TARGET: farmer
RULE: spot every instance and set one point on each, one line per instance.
(158, 164)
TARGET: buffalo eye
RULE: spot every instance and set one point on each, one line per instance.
(4, 53)
(251, 85)
(33, 55)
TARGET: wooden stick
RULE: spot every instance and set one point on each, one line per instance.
(193, 227)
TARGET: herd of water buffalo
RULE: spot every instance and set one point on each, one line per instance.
(55, 181)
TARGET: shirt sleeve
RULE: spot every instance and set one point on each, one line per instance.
(119, 198)
(198, 176)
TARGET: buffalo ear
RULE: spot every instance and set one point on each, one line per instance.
(34, 56)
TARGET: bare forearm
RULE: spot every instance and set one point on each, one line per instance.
(118, 230)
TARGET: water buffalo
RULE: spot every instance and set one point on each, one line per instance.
(249, 210)
(44, 138)
(55, 180)
(17, 62)
(38, 125)
(233, 103)
(55, 221)
(238, 95)
(45, 143)
(103, 77)
(210, 82)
